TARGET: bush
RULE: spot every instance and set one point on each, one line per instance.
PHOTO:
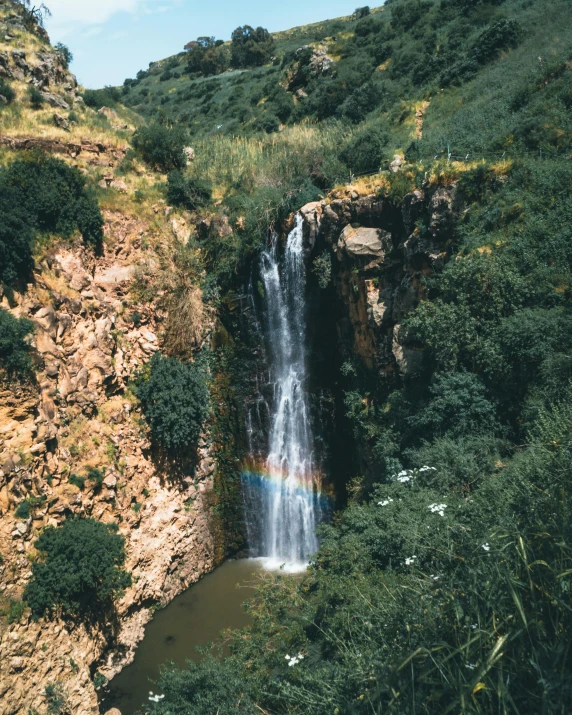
(98, 98)
(42, 194)
(161, 146)
(503, 35)
(79, 572)
(6, 91)
(64, 53)
(96, 476)
(458, 407)
(361, 12)
(174, 398)
(366, 149)
(187, 192)
(77, 481)
(14, 347)
(36, 98)
(16, 610)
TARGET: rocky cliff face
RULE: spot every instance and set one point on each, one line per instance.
(382, 253)
(92, 333)
(81, 415)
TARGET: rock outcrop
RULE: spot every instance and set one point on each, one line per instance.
(383, 253)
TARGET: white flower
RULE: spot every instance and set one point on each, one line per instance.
(486, 547)
(385, 502)
(474, 626)
(403, 480)
(434, 578)
(292, 662)
(409, 561)
(155, 698)
(438, 509)
(470, 666)
(427, 469)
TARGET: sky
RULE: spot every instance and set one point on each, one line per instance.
(113, 39)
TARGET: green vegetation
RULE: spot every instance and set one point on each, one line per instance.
(6, 91)
(174, 399)
(41, 195)
(250, 47)
(79, 572)
(186, 192)
(444, 586)
(14, 347)
(162, 146)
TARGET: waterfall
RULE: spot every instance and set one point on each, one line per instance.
(282, 486)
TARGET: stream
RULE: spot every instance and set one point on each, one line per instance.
(193, 619)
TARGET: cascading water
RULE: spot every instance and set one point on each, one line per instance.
(282, 494)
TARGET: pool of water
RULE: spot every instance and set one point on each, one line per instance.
(192, 619)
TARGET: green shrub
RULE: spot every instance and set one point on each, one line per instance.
(16, 610)
(106, 97)
(42, 194)
(80, 569)
(366, 149)
(187, 192)
(96, 477)
(77, 481)
(174, 399)
(162, 146)
(6, 91)
(458, 407)
(14, 347)
(64, 53)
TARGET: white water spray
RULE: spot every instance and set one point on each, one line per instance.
(287, 498)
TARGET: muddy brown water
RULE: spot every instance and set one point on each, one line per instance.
(195, 618)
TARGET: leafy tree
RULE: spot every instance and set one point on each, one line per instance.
(187, 192)
(361, 12)
(80, 569)
(251, 47)
(174, 398)
(207, 56)
(14, 348)
(162, 146)
(458, 407)
(65, 54)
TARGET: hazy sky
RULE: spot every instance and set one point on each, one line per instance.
(113, 39)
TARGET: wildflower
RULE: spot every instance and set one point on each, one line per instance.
(403, 480)
(427, 469)
(470, 666)
(287, 657)
(434, 578)
(385, 502)
(486, 547)
(438, 509)
(409, 561)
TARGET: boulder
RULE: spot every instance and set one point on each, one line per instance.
(61, 121)
(189, 152)
(108, 112)
(55, 100)
(363, 241)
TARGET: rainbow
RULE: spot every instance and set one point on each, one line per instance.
(258, 474)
